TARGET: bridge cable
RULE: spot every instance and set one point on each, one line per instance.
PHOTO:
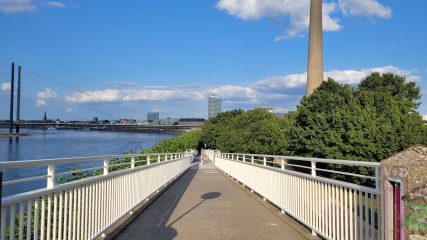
(56, 109)
(75, 89)
(71, 102)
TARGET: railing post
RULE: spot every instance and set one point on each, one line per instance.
(265, 161)
(313, 173)
(106, 166)
(313, 168)
(132, 162)
(148, 160)
(158, 158)
(252, 159)
(244, 158)
(377, 178)
(51, 176)
(283, 164)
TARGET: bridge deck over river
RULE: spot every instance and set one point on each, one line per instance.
(204, 204)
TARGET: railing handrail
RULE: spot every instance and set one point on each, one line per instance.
(331, 208)
(313, 168)
(43, 162)
(86, 208)
(313, 159)
(16, 198)
(318, 178)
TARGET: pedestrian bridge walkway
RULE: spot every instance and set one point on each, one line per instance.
(231, 196)
(205, 204)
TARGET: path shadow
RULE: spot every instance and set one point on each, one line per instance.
(151, 223)
(204, 197)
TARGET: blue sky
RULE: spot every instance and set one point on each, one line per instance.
(115, 60)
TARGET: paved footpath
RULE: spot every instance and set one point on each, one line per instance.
(204, 204)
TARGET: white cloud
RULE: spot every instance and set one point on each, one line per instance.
(297, 12)
(366, 8)
(281, 91)
(162, 93)
(410, 74)
(108, 95)
(68, 110)
(288, 81)
(342, 76)
(56, 4)
(5, 87)
(44, 96)
(231, 91)
(17, 6)
(47, 93)
(41, 102)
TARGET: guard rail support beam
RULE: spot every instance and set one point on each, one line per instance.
(51, 176)
(106, 167)
(313, 169)
(132, 162)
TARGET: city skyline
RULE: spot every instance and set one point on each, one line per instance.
(123, 67)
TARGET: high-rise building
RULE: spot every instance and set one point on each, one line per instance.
(315, 48)
(214, 106)
(45, 117)
(153, 116)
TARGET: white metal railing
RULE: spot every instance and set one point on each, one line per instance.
(85, 208)
(331, 208)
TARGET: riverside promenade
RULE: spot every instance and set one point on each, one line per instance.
(205, 204)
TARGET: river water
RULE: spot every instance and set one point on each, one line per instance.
(47, 144)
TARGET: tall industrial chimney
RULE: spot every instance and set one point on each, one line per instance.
(315, 48)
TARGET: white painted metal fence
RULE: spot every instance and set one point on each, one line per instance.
(84, 209)
(331, 208)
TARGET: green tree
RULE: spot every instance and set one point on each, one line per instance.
(254, 131)
(395, 85)
(368, 123)
(189, 140)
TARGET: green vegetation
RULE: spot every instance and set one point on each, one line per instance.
(189, 140)
(416, 218)
(254, 131)
(369, 122)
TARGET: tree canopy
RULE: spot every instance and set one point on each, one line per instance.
(370, 122)
(189, 140)
(253, 131)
